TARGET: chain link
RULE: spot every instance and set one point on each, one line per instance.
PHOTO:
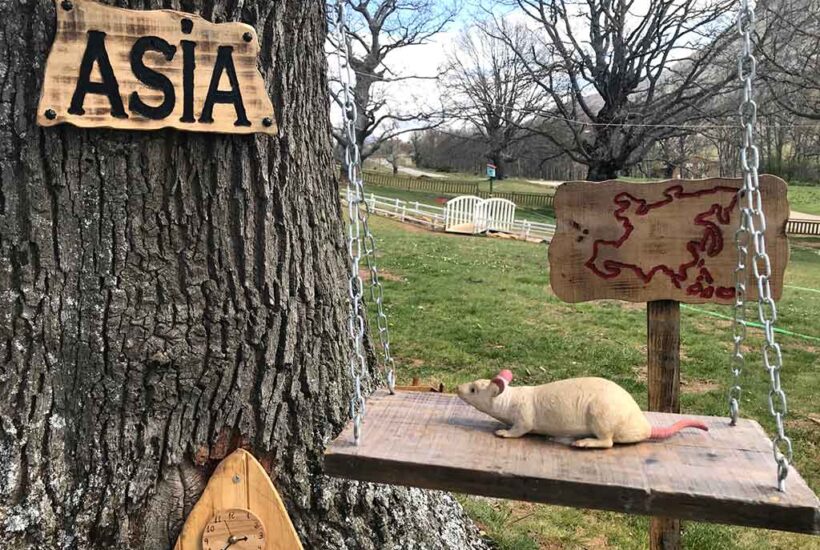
(359, 240)
(750, 240)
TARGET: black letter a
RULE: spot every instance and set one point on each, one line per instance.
(95, 52)
(224, 62)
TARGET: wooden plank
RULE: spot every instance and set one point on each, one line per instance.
(462, 228)
(663, 384)
(195, 52)
(436, 441)
(240, 482)
(671, 240)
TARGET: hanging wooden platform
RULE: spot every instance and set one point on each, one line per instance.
(436, 441)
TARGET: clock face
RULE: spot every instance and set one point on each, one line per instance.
(234, 529)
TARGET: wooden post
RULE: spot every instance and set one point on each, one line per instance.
(663, 381)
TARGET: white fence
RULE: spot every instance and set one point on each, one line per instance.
(434, 217)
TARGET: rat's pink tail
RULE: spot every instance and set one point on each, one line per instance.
(669, 431)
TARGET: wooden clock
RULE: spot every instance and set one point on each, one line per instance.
(240, 509)
(234, 529)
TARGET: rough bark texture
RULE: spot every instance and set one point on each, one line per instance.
(165, 297)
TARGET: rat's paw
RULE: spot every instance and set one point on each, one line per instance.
(593, 443)
(502, 433)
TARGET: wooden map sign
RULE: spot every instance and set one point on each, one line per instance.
(145, 70)
(670, 240)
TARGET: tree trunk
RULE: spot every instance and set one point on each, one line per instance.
(500, 168)
(166, 297)
(601, 171)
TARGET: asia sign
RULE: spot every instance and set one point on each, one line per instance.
(145, 70)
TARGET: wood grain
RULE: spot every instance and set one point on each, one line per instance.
(123, 28)
(436, 441)
(671, 240)
(240, 482)
(663, 384)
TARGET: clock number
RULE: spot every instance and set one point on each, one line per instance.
(211, 528)
(231, 515)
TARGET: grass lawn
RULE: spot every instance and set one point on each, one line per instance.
(516, 185)
(805, 198)
(463, 307)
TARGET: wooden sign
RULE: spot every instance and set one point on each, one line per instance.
(670, 240)
(145, 70)
(241, 509)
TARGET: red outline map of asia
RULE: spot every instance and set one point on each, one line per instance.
(686, 268)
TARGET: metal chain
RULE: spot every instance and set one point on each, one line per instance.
(359, 236)
(752, 233)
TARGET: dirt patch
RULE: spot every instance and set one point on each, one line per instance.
(803, 216)
(414, 228)
(805, 242)
(364, 273)
(810, 423)
(628, 306)
(699, 386)
(597, 542)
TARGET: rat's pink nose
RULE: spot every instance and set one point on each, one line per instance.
(506, 375)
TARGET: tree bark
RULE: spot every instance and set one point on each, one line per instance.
(166, 297)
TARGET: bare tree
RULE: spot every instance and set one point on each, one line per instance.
(489, 88)
(789, 39)
(621, 76)
(375, 29)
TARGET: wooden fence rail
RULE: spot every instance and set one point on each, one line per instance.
(430, 185)
(450, 187)
(520, 199)
(803, 227)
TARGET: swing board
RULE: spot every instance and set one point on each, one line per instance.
(436, 441)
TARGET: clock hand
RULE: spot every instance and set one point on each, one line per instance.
(233, 540)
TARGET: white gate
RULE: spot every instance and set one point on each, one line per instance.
(461, 213)
(499, 215)
(470, 214)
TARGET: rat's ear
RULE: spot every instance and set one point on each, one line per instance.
(501, 381)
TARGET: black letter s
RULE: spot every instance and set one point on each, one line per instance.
(152, 78)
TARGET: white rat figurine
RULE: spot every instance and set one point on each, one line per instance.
(576, 407)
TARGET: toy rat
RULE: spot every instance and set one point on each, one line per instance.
(576, 407)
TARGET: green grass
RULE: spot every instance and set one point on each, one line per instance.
(516, 185)
(463, 307)
(804, 198)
